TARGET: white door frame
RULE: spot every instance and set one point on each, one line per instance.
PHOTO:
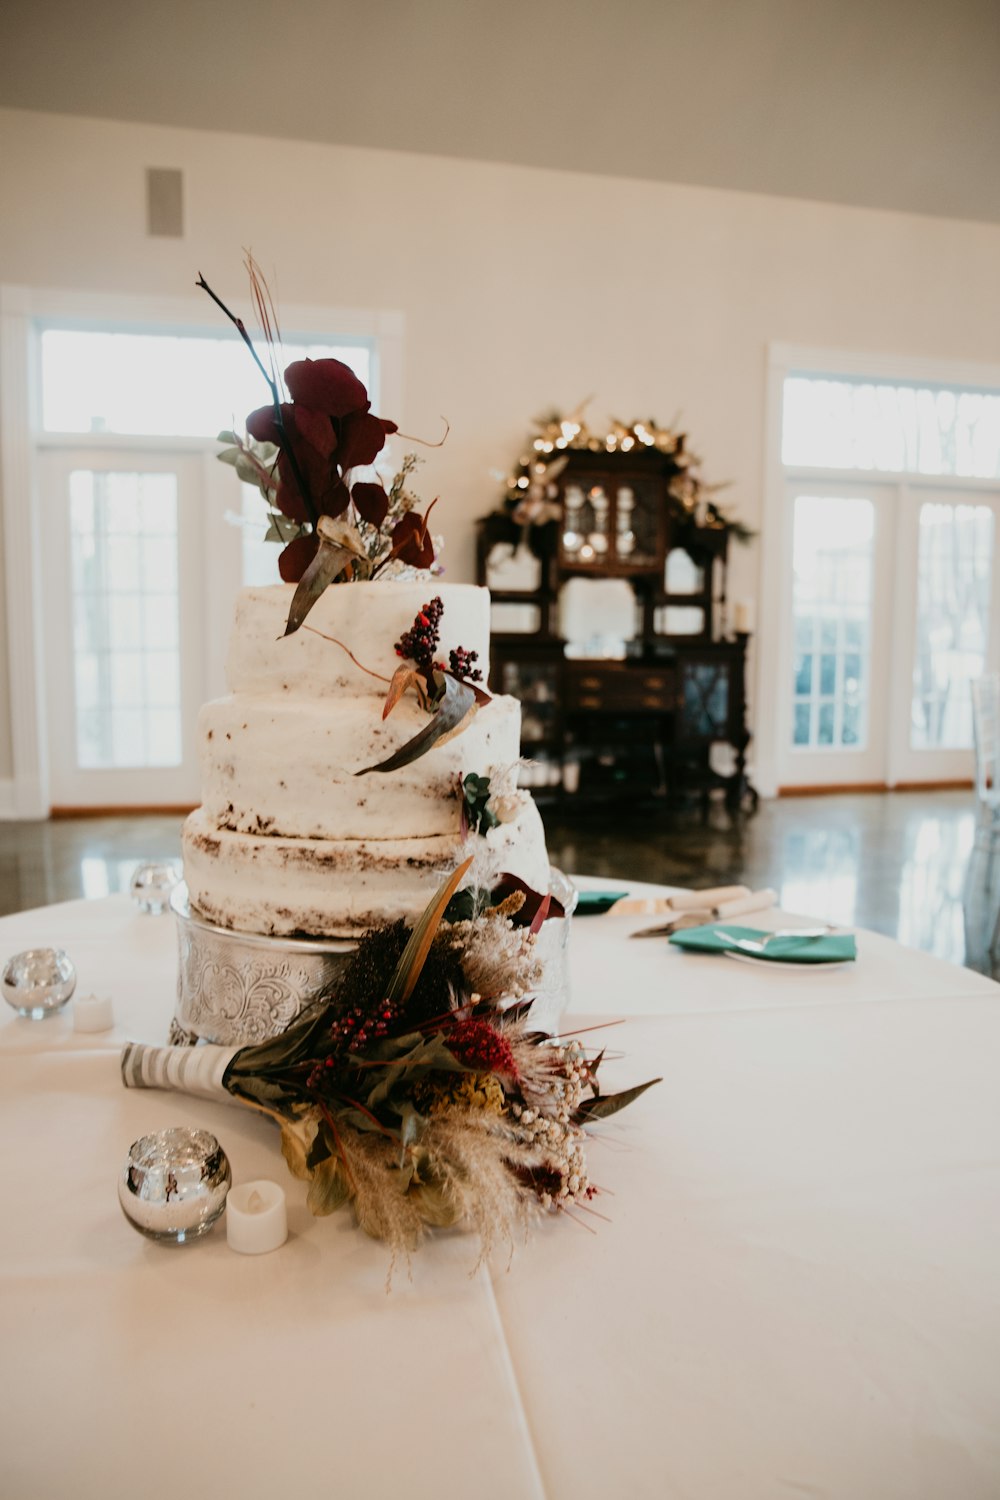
(816, 765)
(907, 766)
(176, 785)
(24, 311)
(775, 532)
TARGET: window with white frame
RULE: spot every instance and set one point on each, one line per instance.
(135, 391)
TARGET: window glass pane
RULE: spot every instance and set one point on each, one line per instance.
(126, 666)
(156, 383)
(833, 423)
(955, 560)
(260, 558)
(832, 555)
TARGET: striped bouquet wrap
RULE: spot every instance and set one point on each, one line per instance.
(189, 1070)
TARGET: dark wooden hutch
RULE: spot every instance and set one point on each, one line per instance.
(668, 716)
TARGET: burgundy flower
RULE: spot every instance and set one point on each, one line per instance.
(297, 556)
(362, 438)
(480, 1046)
(371, 502)
(326, 385)
(537, 905)
(411, 540)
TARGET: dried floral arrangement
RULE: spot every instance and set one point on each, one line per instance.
(532, 497)
(310, 451)
(418, 1092)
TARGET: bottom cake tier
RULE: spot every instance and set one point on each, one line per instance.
(342, 887)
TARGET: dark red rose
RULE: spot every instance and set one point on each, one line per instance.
(261, 424)
(371, 502)
(411, 541)
(297, 556)
(362, 438)
(326, 385)
(313, 427)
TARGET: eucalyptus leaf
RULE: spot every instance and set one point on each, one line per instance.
(339, 545)
(298, 1137)
(610, 1104)
(455, 705)
(228, 437)
(229, 456)
(429, 1055)
(329, 1188)
(289, 1046)
(250, 471)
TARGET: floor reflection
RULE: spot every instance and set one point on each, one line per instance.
(910, 864)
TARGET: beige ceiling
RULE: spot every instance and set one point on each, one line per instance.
(883, 103)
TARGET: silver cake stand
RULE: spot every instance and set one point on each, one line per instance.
(235, 988)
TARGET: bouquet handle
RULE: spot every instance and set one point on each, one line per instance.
(189, 1070)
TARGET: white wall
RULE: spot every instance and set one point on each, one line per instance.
(521, 289)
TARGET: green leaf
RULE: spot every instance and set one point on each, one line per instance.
(456, 703)
(339, 544)
(429, 1055)
(230, 456)
(228, 437)
(329, 1188)
(298, 1139)
(250, 471)
(289, 1046)
(610, 1104)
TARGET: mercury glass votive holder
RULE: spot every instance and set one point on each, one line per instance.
(173, 1184)
(151, 887)
(38, 982)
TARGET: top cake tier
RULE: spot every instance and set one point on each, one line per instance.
(367, 618)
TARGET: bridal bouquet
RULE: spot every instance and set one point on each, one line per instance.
(418, 1092)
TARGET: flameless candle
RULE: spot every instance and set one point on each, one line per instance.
(93, 1013)
(255, 1218)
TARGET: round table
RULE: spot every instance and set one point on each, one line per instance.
(792, 1288)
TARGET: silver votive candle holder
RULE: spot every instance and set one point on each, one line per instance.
(151, 886)
(174, 1183)
(38, 982)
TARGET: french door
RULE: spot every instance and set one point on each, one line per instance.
(123, 545)
(893, 607)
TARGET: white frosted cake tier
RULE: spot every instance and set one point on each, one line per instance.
(284, 765)
(341, 887)
(367, 618)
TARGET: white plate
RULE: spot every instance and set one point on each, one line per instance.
(776, 963)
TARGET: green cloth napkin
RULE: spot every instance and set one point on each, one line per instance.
(593, 903)
(832, 948)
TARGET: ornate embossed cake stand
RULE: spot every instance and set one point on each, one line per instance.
(234, 988)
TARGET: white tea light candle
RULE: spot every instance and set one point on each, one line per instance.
(93, 1013)
(256, 1219)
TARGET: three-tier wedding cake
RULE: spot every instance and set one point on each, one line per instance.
(296, 834)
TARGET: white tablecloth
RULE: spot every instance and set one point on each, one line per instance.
(794, 1290)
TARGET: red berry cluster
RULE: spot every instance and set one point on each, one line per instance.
(355, 1028)
(463, 664)
(420, 642)
(476, 1044)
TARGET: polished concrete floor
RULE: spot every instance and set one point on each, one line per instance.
(899, 863)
